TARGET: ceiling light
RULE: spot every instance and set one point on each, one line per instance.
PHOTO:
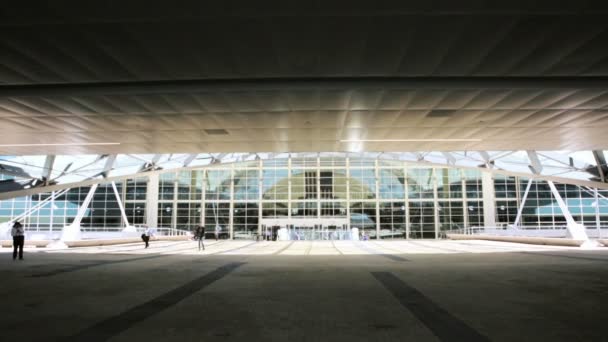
(408, 140)
(65, 144)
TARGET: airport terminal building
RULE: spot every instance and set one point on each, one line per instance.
(315, 195)
(404, 120)
(406, 170)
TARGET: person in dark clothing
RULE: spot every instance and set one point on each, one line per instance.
(275, 233)
(18, 234)
(146, 236)
(146, 239)
(200, 236)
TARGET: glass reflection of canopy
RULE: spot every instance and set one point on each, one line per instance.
(31, 171)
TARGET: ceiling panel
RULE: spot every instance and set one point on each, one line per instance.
(63, 42)
(31, 119)
(134, 42)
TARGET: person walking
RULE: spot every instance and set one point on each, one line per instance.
(18, 234)
(200, 236)
(146, 236)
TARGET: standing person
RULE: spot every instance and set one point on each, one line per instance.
(146, 236)
(200, 236)
(18, 239)
(218, 229)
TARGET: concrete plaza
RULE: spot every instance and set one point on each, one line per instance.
(306, 291)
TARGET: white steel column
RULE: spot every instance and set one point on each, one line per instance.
(465, 203)
(174, 203)
(260, 196)
(152, 200)
(435, 202)
(521, 205)
(120, 206)
(347, 162)
(377, 182)
(203, 199)
(576, 230)
(72, 232)
(489, 203)
(407, 204)
(48, 168)
(318, 181)
(289, 181)
(231, 206)
(597, 213)
(52, 216)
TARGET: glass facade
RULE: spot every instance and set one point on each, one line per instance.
(55, 212)
(385, 199)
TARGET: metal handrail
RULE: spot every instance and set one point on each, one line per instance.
(520, 230)
(158, 231)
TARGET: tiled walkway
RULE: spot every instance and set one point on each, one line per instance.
(303, 291)
(246, 247)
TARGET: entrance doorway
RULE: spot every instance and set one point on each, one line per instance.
(308, 229)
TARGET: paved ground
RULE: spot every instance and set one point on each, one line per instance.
(306, 291)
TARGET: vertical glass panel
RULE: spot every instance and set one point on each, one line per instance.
(217, 185)
(506, 212)
(332, 183)
(333, 161)
(362, 184)
(420, 183)
(136, 189)
(136, 212)
(190, 185)
(298, 187)
(449, 183)
(505, 186)
(363, 216)
(217, 215)
(103, 209)
(390, 163)
(392, 184)
(473, 183)
(304, 209)
(362, 162)
(422, 220)
(188, 216)
(275, 184)
(333, 209)
(451, 215)
(303, 162)
(166, 186)
(276, 163)
(246, 184)
(165, 214)
(475, 213)
(392, 220)
(183, 185)
(339, 184)
(245, 220)
(538, 209)
(304, 184)
(274, 209)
